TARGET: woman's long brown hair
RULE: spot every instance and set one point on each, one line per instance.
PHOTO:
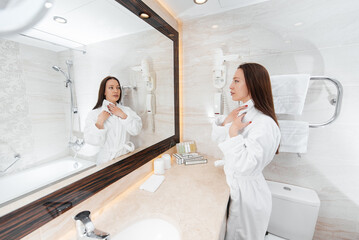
(101, 91)
(259, 86)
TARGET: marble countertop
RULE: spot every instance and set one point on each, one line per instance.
(193, 198)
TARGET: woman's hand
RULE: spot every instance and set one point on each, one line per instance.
(101, 119)
(237, 125)
(233, 115)
(116, 111)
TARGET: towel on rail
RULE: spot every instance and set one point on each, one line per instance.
(289, 93)
(294, 136)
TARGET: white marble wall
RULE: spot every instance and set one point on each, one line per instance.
(33, 113)
(287, 36)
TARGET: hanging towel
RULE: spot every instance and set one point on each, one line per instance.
(289, 93)
(294, 136)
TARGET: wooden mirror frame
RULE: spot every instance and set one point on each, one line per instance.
(23, 221)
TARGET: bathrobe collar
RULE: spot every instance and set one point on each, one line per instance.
(250, 111)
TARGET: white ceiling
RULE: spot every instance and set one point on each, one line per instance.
(91, 21)
(187, 9)
(88, 22)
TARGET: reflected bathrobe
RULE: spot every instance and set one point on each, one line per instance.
(113, 140)
(245, 157)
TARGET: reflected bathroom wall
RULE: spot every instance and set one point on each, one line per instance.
(32, 95)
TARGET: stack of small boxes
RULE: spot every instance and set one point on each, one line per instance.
(186, 154)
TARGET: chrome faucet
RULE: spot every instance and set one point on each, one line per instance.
(86, 229)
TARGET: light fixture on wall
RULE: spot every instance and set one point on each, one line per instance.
(200, 1)
(144, 15)
(60, 19)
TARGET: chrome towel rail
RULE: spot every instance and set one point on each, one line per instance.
(337, 103)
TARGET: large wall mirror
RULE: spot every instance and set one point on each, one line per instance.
(50, 78)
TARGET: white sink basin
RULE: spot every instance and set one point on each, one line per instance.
(149, 229)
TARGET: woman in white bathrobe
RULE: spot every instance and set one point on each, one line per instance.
(249, 138)
(109, 126)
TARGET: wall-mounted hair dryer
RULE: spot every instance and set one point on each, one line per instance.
(219, 77)
(147, 75)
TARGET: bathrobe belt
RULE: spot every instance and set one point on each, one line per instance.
(129, 146)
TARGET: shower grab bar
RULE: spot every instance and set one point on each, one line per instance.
(16, 155)
(338, 101)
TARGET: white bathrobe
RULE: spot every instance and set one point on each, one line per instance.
(245, 157)
(113, 140)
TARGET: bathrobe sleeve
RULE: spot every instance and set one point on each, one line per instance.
(248, 155)
(219, 132)
(92, 134)
(133, 123)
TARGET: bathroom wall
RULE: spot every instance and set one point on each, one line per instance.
(32, 109)
(288, 37)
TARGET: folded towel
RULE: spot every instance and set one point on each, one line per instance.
(152, 183)
(294, 136)
(289, 93)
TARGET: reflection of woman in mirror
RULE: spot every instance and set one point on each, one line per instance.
(249, 138)
(110, 123)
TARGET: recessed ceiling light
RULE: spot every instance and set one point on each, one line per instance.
(298, 24)
(200, 1)
(60, 19)
(48, 5)
(144, 15)
(215, 26)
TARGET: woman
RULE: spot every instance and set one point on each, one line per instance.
(109, 123)
(249, 138)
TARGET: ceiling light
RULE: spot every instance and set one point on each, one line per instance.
(214, 26)
(200, 1)
(60, 19)
(48, 5)
(298, 24)
(144, 15)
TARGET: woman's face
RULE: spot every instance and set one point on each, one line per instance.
(112, 91)
(238, 87)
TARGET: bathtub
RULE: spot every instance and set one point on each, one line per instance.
(18, 184)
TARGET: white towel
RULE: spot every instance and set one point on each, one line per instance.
(294, 136)
(289, 93)
(105, 103)
(152, 183)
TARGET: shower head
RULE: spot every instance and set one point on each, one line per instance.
(58, 69)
